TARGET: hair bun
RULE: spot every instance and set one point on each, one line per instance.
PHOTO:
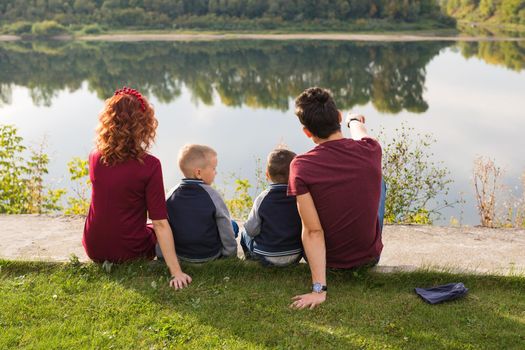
(320, 95)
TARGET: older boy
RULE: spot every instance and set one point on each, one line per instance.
(272, 233)
(339, 192)
(198, 216)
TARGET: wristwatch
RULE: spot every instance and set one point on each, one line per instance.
(351, 120)
(319, 288)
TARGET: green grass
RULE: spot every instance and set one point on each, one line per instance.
(240, 305)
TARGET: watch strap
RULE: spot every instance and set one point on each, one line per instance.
(319, 288)
(351, 120)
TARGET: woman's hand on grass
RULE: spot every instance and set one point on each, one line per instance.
(180, 280)
(310, 300)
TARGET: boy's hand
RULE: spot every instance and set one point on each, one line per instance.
(351, 116)
(310, 300)
(180, 280)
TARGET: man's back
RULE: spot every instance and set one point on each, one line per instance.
(344, 179)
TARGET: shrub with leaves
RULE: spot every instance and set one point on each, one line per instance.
(41, 199)
(414, 181)
(92, 29)
(18, 28)
(261, 182)
(48, 29)
(22, 189)
(241, 203)
(79, 173)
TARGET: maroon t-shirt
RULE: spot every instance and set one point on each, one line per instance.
(123, 195)
(344, 179)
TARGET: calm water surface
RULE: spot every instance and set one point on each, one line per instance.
(237, 96)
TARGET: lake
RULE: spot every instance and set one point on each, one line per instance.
(237, 96)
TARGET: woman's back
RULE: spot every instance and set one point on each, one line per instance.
(122, 196)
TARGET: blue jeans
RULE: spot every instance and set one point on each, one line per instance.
(235, 228)
(380, 217)
(247, 247)
(382, 200)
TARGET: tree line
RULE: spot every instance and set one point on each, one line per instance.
(500, 11)
(166, 13)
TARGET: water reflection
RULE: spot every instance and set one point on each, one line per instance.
(503, 53)
(203, 92)
(259, 74)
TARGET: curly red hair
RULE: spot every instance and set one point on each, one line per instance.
(126, 129)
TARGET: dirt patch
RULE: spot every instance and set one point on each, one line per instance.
(464, 249)
(9, 38)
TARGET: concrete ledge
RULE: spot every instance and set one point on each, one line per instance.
(407, 248)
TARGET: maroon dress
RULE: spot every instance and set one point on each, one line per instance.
(123, 195)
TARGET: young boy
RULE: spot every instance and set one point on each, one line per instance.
(198, 216)
(272, 233)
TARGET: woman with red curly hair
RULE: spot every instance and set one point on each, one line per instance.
(127, 187)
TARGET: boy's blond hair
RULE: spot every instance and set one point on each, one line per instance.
(192, 156)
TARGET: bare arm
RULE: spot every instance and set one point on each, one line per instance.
(314, 246)
(164, 235)
(357, 127)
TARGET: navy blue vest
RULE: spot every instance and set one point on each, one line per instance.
(280, 224)
(191, 214)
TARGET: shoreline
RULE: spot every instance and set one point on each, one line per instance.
(383, 37)
(466, 249)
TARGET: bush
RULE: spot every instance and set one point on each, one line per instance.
(486, 184)
(48, 29)
(22, 189)
(18, 28)
(497, 205)
(79, 174)
(241, 204)
(413, 180)
(92, 29)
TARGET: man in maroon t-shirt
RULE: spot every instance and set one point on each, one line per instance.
(338, 187)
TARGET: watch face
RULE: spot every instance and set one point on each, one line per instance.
(317, 287)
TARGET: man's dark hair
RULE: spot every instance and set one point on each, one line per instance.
(279, 165)
(316, 110)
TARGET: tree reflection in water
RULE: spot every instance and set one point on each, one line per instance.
(509, 54)
(259, 74)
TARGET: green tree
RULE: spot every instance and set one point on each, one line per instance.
(510, 10)
(84, 6)
(486, 8)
